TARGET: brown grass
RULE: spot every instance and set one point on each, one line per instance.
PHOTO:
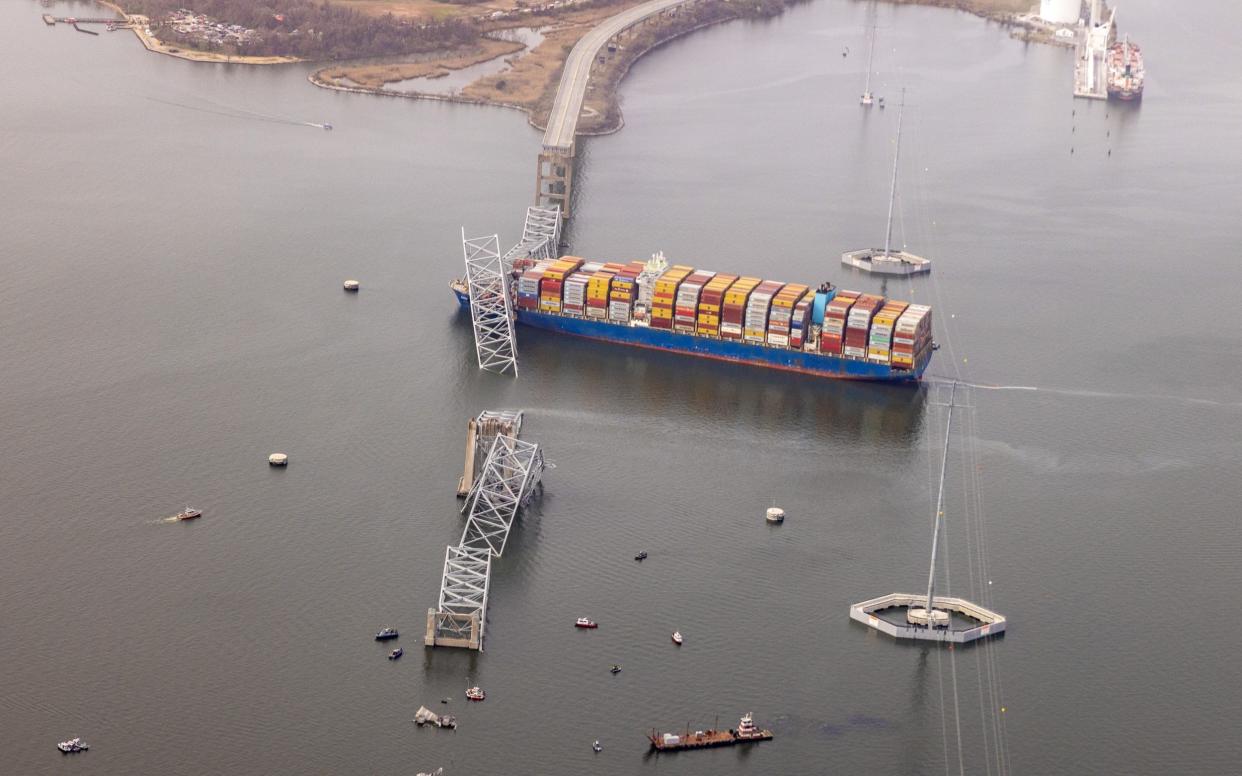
(426, 9)
(375, 76)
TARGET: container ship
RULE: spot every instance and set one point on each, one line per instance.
(1125, 71)
(824, 331)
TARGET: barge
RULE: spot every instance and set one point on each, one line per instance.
(745, 733)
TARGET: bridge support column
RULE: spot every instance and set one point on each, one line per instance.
(554, 180)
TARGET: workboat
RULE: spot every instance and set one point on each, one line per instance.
(677, 638)
(189, 513)
(583, 622)
(745, 732)
(72, 745)
(386, 633)
(396, 653)
(475, 694)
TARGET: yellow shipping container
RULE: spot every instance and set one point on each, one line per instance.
(738, 292)
(790, 295)
(597, 286)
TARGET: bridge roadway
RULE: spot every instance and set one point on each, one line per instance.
(563, 121)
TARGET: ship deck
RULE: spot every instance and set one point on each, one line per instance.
(705, 739)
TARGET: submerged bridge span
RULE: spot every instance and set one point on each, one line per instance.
(555, 173)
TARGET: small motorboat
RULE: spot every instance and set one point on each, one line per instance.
(386, 633)
(72, 745)
(597, 747)
(677, 638)
(396, 653)
(475, 694)
(326, 126)
(641, 556)
(583, 622)
(616, 669)
(189, 513)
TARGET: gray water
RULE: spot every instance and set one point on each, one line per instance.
(172, 247)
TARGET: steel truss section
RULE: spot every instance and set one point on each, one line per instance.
(541, 236)
(490, 311)
(509, 477)
(463, 589)
(510, 474)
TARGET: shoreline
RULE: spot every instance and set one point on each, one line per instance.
(138, 23)
(537, 80)
(602, 112)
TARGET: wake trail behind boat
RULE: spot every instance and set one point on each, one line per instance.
(1081, 393)
(237, 113)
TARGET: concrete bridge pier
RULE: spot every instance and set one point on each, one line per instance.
(554, 180)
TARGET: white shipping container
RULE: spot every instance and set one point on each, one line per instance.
(779, 340)
(853, 351)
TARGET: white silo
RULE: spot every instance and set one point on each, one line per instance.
(1060, 11)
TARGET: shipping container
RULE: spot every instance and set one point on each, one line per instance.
(553, 281)
(711, 300)
(879, 342)
(665, 296)
(800, 321)
(859, 324)
(781, 316)
(733, 314)
(685, 310)
(597, 294)
(756, 322)
(573, 296)
(832, 333)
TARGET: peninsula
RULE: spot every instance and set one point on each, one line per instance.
(371, 45)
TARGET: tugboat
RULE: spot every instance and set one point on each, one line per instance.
(677, 638)
(396, 653)
(72, 745)
(583, 622)
(475, 694)
(386, 633)
(641, 556)
(189, 513)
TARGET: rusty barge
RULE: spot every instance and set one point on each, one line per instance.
(745, 733)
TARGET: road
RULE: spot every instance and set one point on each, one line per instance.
(563, 120)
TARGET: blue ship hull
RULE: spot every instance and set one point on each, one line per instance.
(821, 364)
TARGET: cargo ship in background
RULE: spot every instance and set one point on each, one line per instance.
(823, 331)
(1125, 71)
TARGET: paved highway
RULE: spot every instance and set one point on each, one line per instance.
(563, 121)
